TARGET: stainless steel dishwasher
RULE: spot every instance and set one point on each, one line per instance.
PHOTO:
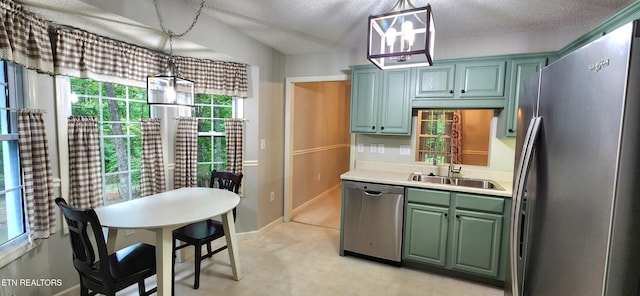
(373, 218)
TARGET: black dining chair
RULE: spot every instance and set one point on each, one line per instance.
(204, 232)
(100, 272)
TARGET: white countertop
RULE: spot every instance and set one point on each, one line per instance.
(393, 177)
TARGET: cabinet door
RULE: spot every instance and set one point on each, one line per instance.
(476, 242)
(364, 103)
(395, 103)
(425, 234)
(434, 82)
(521, 70)
(480, 79)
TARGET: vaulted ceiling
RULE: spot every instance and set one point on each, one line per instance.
(303, 26)
(309, 26)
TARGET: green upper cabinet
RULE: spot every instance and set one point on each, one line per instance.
(380, 101)
(434, 82)
(395, 103)
(521, 70)
(469, 83)
(364, 99)
(481, 79)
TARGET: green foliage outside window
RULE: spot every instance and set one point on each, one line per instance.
(211, 110)
(119, 109)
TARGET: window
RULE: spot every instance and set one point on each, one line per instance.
(119, 109)
(11, 99)
(434, 128)
(472, 130)
(211, 110)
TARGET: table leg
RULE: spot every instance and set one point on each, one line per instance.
(232, 244)
(163, 260)
(112, 234)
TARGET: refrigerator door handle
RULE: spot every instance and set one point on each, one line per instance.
(518, 193)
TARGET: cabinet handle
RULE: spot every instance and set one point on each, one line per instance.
(458, 216)
(462, 91)
(445, 214)
(382, 128)
(511, 130)
(451, 91)
(373, 127)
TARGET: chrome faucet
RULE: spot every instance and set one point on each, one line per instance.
(452, 169)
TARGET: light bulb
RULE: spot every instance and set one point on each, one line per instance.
(408, 35)
(391, 38)
(170, 94)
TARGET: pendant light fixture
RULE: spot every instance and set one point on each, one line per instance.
(401, 38)
(169, 88)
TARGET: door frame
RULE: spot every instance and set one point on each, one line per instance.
(288, 137)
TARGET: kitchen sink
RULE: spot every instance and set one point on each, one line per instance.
(465, 182)
(428, 178)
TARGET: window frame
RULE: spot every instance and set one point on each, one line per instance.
(24, 85)
(128, 136)
(443, 139)
(235, 109)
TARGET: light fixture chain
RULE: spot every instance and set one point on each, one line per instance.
(171, 33)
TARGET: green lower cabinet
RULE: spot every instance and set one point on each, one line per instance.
(461, 232)
(476, 242)
(426, 232)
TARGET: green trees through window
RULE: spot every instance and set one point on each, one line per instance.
(211, 110)
(120, 109)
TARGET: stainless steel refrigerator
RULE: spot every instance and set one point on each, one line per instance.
(575, 225)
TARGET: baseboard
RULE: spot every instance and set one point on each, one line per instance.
(316, 198)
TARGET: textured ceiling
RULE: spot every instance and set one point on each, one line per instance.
(307, 26)
(303, 26)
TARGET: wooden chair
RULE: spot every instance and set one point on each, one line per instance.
(204, 232)
(100, 272)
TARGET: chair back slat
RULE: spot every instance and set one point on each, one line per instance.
(84, 246)
(225, 180)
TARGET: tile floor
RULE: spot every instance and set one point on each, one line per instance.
(300, 259)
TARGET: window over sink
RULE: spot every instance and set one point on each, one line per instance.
(465, 132)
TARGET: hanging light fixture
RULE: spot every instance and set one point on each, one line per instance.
(169, 88)
(401, 38)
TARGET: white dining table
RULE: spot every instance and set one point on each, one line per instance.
(164, 212)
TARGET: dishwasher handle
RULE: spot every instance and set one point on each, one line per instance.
(372, 193)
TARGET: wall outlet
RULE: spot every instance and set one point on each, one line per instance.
(129, 232)
(263, 144)
(380, 148)
(405, 150)
(318, 179)
(360, 147)
(374, 148)
(272, 196)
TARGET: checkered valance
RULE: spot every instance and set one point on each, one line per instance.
(24, 39)
(82, 54)
(85, 55)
